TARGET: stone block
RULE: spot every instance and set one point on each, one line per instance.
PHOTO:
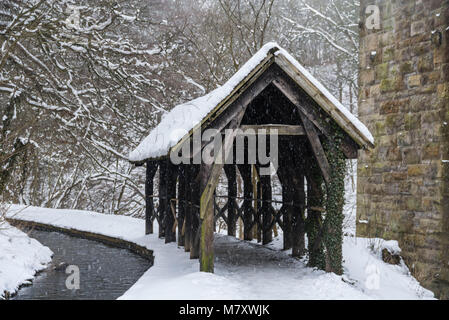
(431, 151)
(430, 116)
(411, 155)
(388, 54)
(388, 85)
(412, 121)
(387, 38)
(375, 91)
(390, 106)
(371, 42)
(414, 80)
(415, 170)
(431, 204)
(406, 67)
(425, 63)
(417, 27)
(367, 77)
(443, 90)
(382, 71)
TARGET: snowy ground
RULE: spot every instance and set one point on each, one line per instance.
(243, 270)
(350, 208)
(20, 258)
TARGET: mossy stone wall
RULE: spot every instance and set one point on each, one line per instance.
(403, 184)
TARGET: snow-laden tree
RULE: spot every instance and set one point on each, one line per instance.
(223, 34)
(85, 86)
(82, 82)
(217, 37)
(325, 32)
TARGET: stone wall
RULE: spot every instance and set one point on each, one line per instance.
(403, 184)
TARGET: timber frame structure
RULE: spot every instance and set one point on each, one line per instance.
(275, 94)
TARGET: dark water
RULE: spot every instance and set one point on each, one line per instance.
(105, 272)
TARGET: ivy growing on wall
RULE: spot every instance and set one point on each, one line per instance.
(326, 237)
(334, 202)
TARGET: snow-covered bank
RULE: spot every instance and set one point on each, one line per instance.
(242, 270)
(20, 258)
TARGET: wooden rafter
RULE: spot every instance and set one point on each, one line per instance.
(317, 148)
(219, 118)
(307, 108)
(323, 101)
(279, 129)
(291, 92)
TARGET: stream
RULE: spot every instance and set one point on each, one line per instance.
(104, 272)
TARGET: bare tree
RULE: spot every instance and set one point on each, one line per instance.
(90, 89)
(83, 81)
(328, 35)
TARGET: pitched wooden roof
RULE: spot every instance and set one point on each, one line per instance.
(177, 125)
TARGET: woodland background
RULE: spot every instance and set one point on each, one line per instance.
(76, 99)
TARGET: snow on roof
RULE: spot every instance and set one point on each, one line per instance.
(363, 130)
(183, 118)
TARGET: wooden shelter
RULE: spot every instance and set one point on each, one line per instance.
(272, 93)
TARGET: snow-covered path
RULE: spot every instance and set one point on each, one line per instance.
(242, 270)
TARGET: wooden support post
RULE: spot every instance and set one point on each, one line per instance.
(149, 189)
(314, 219)
(162, 197)
(170, 214)
(207, 222)
(245, 173)
(287, 214)
(298, 218)
(209, 176)
(229, 119)
(258, 213)
(231, 175)
(182, 205)
(214, 208)
(257, 187)
(267, 212)
(195, 213)
(188, 208)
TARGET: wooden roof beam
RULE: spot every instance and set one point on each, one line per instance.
(317, 148)
(282, 130)
(305, 107)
